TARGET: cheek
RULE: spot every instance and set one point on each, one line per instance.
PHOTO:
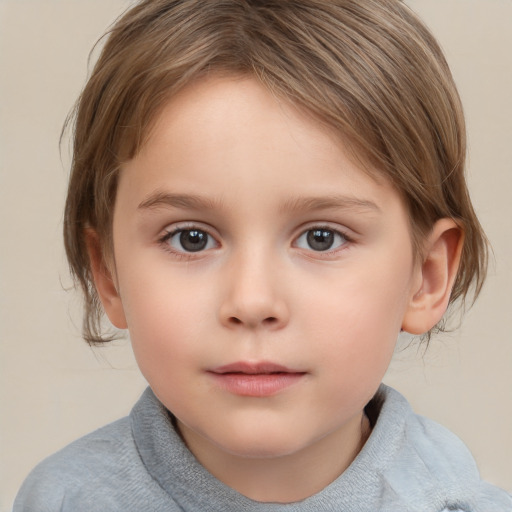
(166, 318)
(361, 318)
(371, 297)
(361, 344)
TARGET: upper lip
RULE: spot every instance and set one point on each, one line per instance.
(257, 368)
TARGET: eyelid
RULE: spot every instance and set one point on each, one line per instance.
(346, 232)
(339, 230)
(172, 229)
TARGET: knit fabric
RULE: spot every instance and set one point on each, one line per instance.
(139, 463)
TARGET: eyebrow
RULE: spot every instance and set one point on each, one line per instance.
(161, 199)
(334, 202)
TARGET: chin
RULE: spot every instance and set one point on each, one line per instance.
(262, 444)
(260, 451)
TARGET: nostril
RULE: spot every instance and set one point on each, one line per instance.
(271, 320)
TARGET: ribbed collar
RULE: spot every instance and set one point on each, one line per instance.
(397, 469)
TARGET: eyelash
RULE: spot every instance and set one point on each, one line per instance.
(328, 252)
(164, 241)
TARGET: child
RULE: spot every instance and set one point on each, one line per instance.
(264, 193)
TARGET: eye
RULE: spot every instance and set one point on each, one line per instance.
(189, 240)
(321, 239)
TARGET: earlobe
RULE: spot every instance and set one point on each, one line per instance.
(104, 281)
(435, 277)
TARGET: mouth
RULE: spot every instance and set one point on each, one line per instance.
(262, 368)
(260, 379)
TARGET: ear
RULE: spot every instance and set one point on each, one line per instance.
(104, 281)
(434, 277)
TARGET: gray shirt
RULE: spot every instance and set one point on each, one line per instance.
(140, 463)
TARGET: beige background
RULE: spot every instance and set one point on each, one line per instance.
(54, 388)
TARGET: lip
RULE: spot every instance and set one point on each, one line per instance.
(259, 379)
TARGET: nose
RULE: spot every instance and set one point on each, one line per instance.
(254, 295)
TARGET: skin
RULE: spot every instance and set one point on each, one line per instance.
(255, 176)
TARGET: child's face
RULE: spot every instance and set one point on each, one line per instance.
(246, 242)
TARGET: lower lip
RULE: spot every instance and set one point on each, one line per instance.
(259, 385)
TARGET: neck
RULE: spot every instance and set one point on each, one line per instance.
(286, 478)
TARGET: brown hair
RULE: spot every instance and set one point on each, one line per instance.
(368, 69)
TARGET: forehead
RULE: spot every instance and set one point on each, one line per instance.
(221, 133)
(208, 109)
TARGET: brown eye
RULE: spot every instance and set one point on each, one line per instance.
(320, 239)
(190, 240)
(193, 240)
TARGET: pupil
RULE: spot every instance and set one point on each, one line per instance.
(193, 240)
(320, 239)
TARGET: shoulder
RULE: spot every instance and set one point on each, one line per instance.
(432, 462)
(101, 468)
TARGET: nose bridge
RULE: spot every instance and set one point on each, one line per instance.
(254, 296)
